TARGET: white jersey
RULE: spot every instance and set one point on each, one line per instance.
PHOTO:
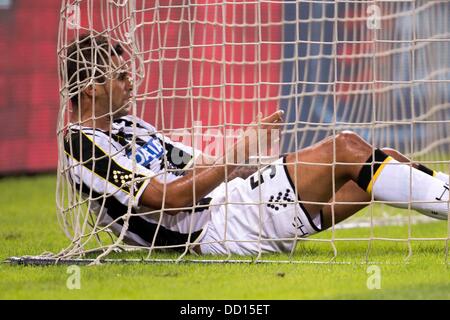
(101, 166)
(259, 214)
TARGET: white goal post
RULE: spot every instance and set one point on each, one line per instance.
(380, 68)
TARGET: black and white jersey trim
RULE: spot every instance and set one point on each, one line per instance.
(147, 231)
(80, 147)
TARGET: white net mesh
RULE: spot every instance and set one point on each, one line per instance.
(379, 68)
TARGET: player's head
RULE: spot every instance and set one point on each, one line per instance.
(96, 71)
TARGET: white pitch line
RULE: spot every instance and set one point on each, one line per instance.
(398, 220)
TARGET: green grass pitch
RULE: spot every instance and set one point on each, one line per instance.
(28, 226)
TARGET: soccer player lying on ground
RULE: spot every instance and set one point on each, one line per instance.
(203, 207)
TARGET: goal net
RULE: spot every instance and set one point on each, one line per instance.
(379, 68)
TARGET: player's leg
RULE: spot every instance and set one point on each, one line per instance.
(313, 172)
(348, 200)
(316, 178)
(351, 198)
(402, 158)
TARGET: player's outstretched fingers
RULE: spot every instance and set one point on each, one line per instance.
(275, 117)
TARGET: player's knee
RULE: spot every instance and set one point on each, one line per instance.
(391, 152)
(348, 140)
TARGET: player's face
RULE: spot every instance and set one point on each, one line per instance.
(118, 88)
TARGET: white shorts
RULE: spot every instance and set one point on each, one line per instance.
(259, 214)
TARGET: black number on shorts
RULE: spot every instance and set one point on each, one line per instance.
(255, 183)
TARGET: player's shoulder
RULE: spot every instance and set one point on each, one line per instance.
(78, 137)
(75, 130)
(129, 121)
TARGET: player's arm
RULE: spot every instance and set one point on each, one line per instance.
(238, 171)
(243, 172)
(200, 180)
(183, 192)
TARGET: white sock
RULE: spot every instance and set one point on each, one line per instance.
(398, 182)
(442, 176)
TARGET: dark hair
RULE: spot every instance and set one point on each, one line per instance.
(82, 55)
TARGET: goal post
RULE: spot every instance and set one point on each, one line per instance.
(379, 68)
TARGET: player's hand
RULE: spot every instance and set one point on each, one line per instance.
(275, 117)
(271, 122)
(273, 125)
(263, 129)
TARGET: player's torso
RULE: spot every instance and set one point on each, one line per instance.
(161, 156)
(151, 150)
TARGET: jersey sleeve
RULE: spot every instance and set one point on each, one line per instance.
(179, 154)
(101, 169)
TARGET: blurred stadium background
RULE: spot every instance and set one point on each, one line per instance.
(29, 105)
(29, 100)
